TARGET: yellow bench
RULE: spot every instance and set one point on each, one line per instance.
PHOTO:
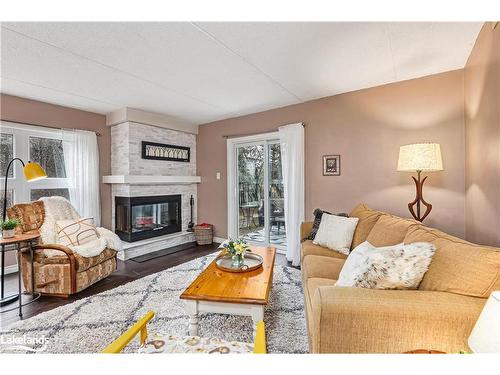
(140, 327)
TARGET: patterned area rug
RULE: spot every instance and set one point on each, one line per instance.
(90, 324)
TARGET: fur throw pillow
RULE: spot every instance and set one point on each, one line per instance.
(392, 267)
(336, 232)
(317, 221)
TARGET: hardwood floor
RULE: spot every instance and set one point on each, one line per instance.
(126, 271)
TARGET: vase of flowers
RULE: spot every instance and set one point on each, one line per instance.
(9, 227)
(237, 249)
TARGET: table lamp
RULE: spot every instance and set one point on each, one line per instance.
(420, 157)
(485, 336)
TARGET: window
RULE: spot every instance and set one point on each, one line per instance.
(49, 154)
(6, 153)
(38, 144)
(39, 193)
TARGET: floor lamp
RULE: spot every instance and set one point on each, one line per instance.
(32, 172)
(420, 157)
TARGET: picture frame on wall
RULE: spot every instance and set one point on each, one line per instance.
(161, 151)
(331, 165)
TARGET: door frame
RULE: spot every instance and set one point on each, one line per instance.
(232, 184)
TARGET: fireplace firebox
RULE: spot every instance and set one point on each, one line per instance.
(138, 218)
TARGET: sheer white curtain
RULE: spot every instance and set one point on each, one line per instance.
(81, 159)
(292, 161)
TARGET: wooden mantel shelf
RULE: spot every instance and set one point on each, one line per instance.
(150, 180)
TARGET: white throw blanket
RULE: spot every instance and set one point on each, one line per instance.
(59, 208)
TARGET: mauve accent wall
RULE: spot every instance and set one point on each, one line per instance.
(13, 108)
(366, 128)
(482, 124)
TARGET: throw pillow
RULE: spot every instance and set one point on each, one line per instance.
(317, 221)
(335, 232)
(391, 267)
(76, 232)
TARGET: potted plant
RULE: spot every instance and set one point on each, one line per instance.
(9, 227)
(237, 249)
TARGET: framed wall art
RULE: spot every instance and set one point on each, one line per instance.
(331, 165)
(161, 151)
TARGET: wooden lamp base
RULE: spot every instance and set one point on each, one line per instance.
(419, 199)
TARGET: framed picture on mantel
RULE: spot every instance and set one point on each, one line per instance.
(331, 165)
(161, 151)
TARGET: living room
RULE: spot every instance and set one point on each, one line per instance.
(235, 187)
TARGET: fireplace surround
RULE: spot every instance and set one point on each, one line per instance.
(138, 218)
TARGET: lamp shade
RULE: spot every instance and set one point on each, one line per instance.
(420, 157)
(33, 171)
(485, 336)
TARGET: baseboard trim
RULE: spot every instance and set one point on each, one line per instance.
(10, 269)
(219, 239)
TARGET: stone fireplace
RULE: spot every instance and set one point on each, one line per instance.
(139, 218)
(151, 198)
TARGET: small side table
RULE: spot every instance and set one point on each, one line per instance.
(15, 242)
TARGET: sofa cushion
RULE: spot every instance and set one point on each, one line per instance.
(458, 266)
(336, 232)
(320, 266)
(367, 219)
(400, 266)
(389, 230)
(308, 248)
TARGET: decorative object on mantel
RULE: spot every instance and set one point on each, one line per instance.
(161, 151)
(204, 234)
(191, 223)
(331, 165)
(420, 157)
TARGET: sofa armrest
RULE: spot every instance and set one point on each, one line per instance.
(358, 320)
(305, 229)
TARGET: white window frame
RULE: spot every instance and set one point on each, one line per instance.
(22, 133)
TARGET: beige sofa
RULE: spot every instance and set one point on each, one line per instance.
(438, 316)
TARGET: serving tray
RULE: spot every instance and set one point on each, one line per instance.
(251, 262)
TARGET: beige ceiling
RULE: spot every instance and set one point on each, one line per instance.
(201, 72)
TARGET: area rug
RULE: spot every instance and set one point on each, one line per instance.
(90, 324)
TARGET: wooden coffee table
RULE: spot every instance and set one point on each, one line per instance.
(217, 291)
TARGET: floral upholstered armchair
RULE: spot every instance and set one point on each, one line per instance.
(58, 269)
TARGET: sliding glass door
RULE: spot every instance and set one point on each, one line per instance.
(257, 212)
